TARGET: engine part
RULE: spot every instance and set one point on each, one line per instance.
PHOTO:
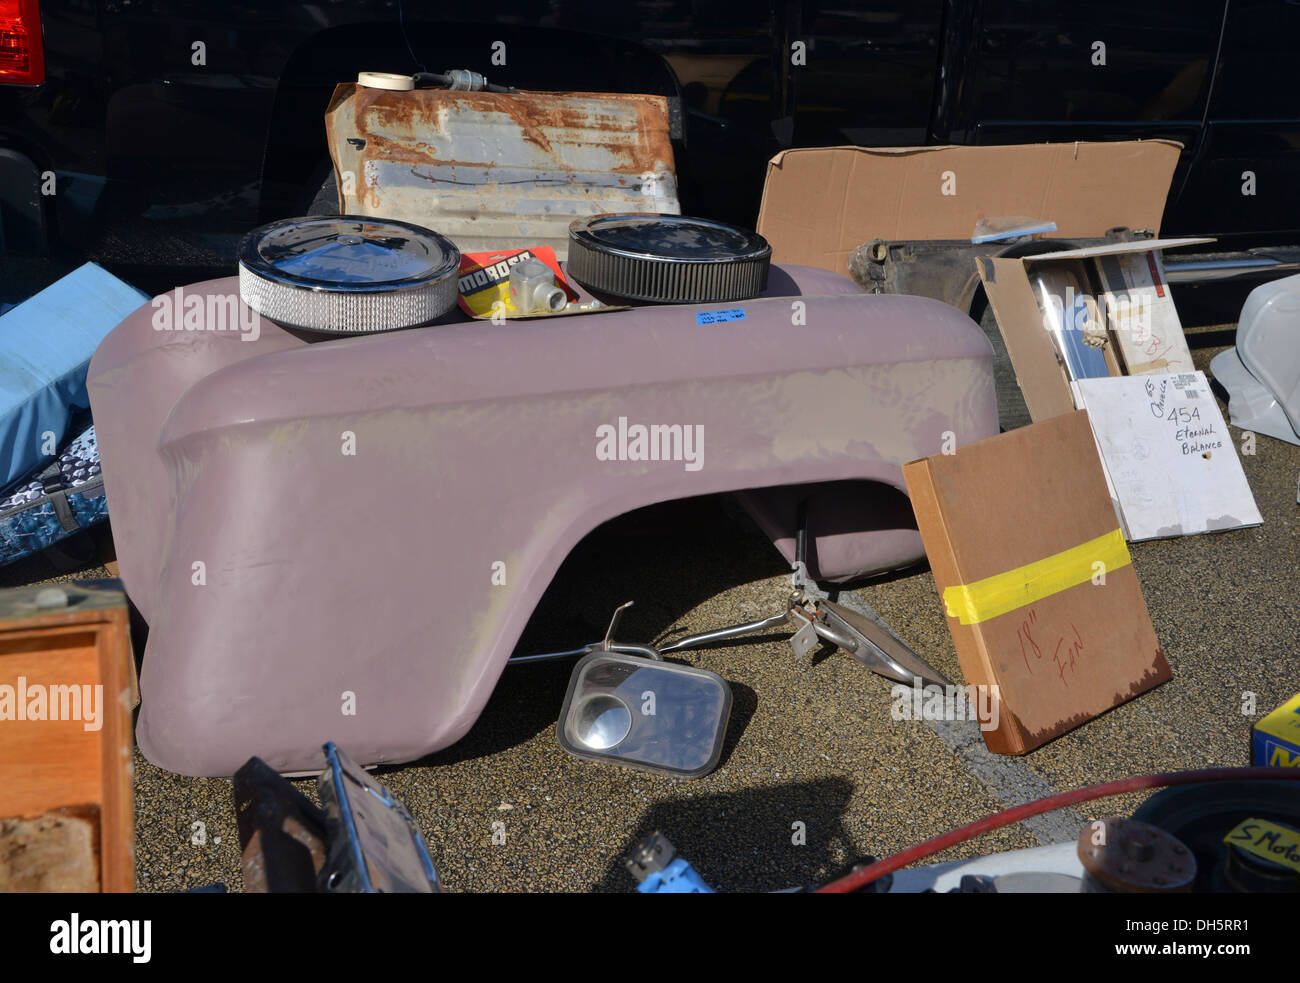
(1206, 817)
(667, 258)
(460, 80)
(1128, 856)
(1245, 777)
(347, 274)
(533, 289)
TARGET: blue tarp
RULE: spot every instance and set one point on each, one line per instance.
(45, 348)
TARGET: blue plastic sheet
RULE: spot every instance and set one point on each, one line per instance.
(45, 348)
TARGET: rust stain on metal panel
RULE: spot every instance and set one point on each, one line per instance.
(636, 125)
(486, 167)
(396, 125)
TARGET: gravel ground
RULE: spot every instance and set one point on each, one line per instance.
(810, 741)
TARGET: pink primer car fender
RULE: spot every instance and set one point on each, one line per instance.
(281, 517)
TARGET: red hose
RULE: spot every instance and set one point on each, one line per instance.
(863, 877)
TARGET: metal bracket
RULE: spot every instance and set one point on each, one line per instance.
(607, 644)
(805, 639)
(613, 623)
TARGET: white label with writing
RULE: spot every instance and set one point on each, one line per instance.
(1170, 459)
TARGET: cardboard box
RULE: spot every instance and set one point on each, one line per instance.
(67, 688)
(1026, 311)
(1277, 736)
(821, 203)
(1135, 295)
(1041, 597)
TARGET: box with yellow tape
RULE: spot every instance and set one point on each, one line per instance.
(1035, 578)
(1277, 736)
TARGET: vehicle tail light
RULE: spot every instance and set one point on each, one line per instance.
(22, 56)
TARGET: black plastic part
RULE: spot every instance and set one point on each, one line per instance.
(1202, 815)
(263, 802)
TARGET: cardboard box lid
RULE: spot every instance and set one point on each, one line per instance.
(1029, 345)
(1018, 499)
(821, 203)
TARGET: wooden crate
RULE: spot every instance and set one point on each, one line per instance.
(54, 764)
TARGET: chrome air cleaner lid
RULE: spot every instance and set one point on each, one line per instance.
(667, 258)
(348, 274)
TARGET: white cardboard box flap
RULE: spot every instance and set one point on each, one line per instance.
(1168, 454)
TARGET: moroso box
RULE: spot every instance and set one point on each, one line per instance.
(1277, 736)
(485, 280)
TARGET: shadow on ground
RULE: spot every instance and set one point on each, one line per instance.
(757, 819)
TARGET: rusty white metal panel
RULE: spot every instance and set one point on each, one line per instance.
(495, 171)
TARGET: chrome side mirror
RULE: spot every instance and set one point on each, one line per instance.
(655, 716)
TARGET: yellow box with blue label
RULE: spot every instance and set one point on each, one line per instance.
(1277, 736)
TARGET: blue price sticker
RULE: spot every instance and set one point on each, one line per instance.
(717, 317)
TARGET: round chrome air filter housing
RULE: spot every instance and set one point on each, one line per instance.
(347, 274)
(673, 259)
